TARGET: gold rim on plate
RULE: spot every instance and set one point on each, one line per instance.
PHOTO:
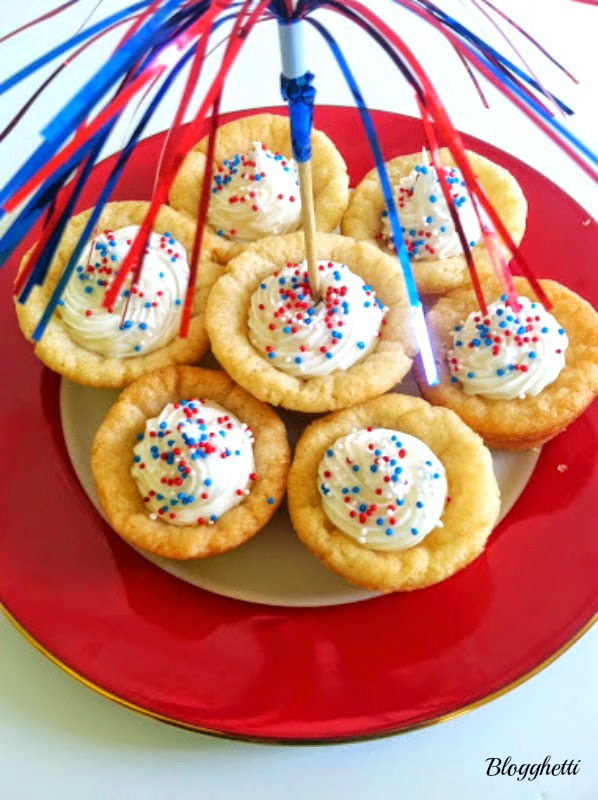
(145, 712)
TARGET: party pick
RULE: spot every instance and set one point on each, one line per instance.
(297, 89)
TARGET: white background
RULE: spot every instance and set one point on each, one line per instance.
(59, 740)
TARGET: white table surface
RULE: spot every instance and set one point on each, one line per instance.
(60, 740)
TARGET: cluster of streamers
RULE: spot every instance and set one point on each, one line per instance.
(160, 38)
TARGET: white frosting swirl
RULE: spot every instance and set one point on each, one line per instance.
(154, 309)
(384, 489)
(255, 194)
(507, 355)
(426, 222)
(308, 339)
(193, 463)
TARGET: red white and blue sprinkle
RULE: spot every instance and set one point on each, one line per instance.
(193, 463)
(255, 194)
(507, 354)
(426, 223)
(306, 339)
(383, 488)
(146, 315)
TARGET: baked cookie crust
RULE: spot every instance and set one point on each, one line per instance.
(468, 518)
(362, 218)
(112, 459)
(330, 179)
(227, 321)
(59, 352)
(519, 424)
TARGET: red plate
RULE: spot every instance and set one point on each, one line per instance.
(205, 661)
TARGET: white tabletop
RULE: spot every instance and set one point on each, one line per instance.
(60, 740)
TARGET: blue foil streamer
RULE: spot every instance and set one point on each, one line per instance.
(34, 208)
(386, 46)
(105, 194)
(48, 191)
(487, 49)
(551, 121)
(44, 260)
(421, 332)
(84, 101)
(78, 38)
(119, 63)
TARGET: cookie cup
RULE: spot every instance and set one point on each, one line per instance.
(112, 459)
(362, 220)
(59, 352)
(467, 519)
(330, 179)
(518, 424)
(227, 321)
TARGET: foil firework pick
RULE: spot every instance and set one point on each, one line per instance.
(162, 37)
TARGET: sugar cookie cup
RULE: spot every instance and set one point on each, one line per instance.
(362, 219)
(58, 350)
(467, 519)
(330, 179)
(228, 313)
(518, 424)
(112, 460)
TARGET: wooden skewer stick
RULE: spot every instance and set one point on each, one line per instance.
(309, 227)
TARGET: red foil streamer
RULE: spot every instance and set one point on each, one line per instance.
(188, 138)
(33, 22)
(445, 126)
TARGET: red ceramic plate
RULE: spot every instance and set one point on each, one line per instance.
(153, 642)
